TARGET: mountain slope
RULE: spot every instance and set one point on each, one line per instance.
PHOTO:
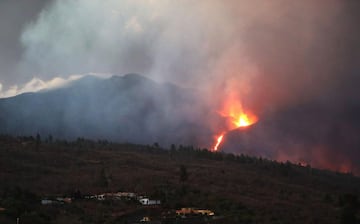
(135, 109)
(242, 188)
(310, 134)
(128, 108)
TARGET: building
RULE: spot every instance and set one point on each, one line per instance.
(193, 211)
(125, 194)
(65, 200)
(100, 197)
(147, 201)
(145, 219)
(48, 202)
(58, 200)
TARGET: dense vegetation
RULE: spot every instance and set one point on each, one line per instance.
(239, 188)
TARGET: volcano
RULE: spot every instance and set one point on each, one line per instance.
(129, 108)
(133, 108)
(247, 140)
(290, 135)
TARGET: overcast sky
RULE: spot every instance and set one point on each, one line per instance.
(279, 47)
(268, 53)
(14, 16)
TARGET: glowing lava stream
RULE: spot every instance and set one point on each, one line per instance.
(218, 141)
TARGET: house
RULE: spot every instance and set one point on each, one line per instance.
(125, 194)
(58, 200)
(145, 219)
(204, 212)
(112, 196)
(100, 197)
(192, 211)
(65, 200)
(121, 195)
(147, 201)
(46, 202)
(184, 211)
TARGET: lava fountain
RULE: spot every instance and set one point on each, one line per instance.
(236, 116)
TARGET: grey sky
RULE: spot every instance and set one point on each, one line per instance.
(14, 16)
(277, 47)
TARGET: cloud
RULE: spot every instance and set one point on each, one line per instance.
(36, 84)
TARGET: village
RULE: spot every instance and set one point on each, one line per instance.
(141, 202)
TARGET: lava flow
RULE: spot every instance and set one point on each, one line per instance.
(218, 141)
(233, 111)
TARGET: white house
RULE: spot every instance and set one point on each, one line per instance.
(100, 197)
(147, 201)
(125, 195)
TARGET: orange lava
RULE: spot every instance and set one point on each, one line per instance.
(234, 110)
(218, 141)
(237, 117)
(245, 120)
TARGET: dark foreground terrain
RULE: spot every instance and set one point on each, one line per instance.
(238, 189)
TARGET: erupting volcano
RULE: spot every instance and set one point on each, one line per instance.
(245, 120)
(236, 117)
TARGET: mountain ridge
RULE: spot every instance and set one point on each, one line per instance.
(123, 108)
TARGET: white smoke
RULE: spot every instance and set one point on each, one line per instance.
(36, 84)
(169, 40)
(214, 45)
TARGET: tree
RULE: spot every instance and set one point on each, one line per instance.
(183, 174)
(156, 145)
(38, 140)
(350, 205)
(50, 138)
(102, 179)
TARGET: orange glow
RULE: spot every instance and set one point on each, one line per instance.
(245, 120)
(218, 141)
(236, 117)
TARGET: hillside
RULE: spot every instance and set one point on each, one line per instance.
(129, 108)
(240, 189)
(310, 133)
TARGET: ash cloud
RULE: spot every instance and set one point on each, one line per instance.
(294, 64)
